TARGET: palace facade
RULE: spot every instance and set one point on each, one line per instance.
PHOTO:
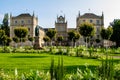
(96, 20)
(29, 21)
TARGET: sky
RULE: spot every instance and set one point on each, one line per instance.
(47, 10)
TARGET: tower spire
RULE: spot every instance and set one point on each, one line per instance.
(33, 13)
(102, 18)
(79, 14)
(10, 15)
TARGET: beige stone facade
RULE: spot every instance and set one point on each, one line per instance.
(97, 21)
(61, 28)
(24, 20)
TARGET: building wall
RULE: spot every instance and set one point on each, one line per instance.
(97, 21)
(41, 36)
(61, 27)
(23, 20)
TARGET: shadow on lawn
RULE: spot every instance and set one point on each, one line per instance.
(28, 56)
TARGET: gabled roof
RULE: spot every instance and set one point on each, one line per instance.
(90, 15)
(61, 17)
(24, 15)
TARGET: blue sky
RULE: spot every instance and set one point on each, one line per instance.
(47, 10)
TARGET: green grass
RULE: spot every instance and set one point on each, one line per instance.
(25, 62)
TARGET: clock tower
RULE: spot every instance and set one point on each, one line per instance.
(61, 27)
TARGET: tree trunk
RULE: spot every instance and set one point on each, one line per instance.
(86, 41)
(75, 43)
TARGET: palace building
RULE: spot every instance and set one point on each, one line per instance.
(96, 20)
(61, 28)
(29, 21)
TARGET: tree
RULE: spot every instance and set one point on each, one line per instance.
(46, 39)
(106, 33)
(9, 40)
(2, 33)
(51, 34)
(59, 39)
(71, 35)
(31, 39)
(77, 37)
(86, 30)
(97, 40)
(21, 32)
(4, 40)
(5, 25)
(16, 40)
(24, 39)
(116, 32)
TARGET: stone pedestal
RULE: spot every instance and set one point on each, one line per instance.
(37, 44)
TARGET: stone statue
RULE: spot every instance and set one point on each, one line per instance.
(37, 31)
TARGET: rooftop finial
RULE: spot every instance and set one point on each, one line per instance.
(61, 12)
(89, 10)
(79, 14)
(26, 10)
(102, 13)
(33, 13)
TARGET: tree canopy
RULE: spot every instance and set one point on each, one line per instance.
(5, 25)
(21, 32)
(106, 33)
(87, 29)
(2, 33)
(77, 36)
(60, 38)
(31, 38)
(51, 33)
(15, 39)
(71, 35)
(116, 31)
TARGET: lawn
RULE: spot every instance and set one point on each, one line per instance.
(25, 62)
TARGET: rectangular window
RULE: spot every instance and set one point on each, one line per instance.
(83, 20)
(28, 21)
(97, 22)
(22, 22)
(15, 22)
(91, 21)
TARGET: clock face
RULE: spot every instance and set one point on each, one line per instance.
(61, 21)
